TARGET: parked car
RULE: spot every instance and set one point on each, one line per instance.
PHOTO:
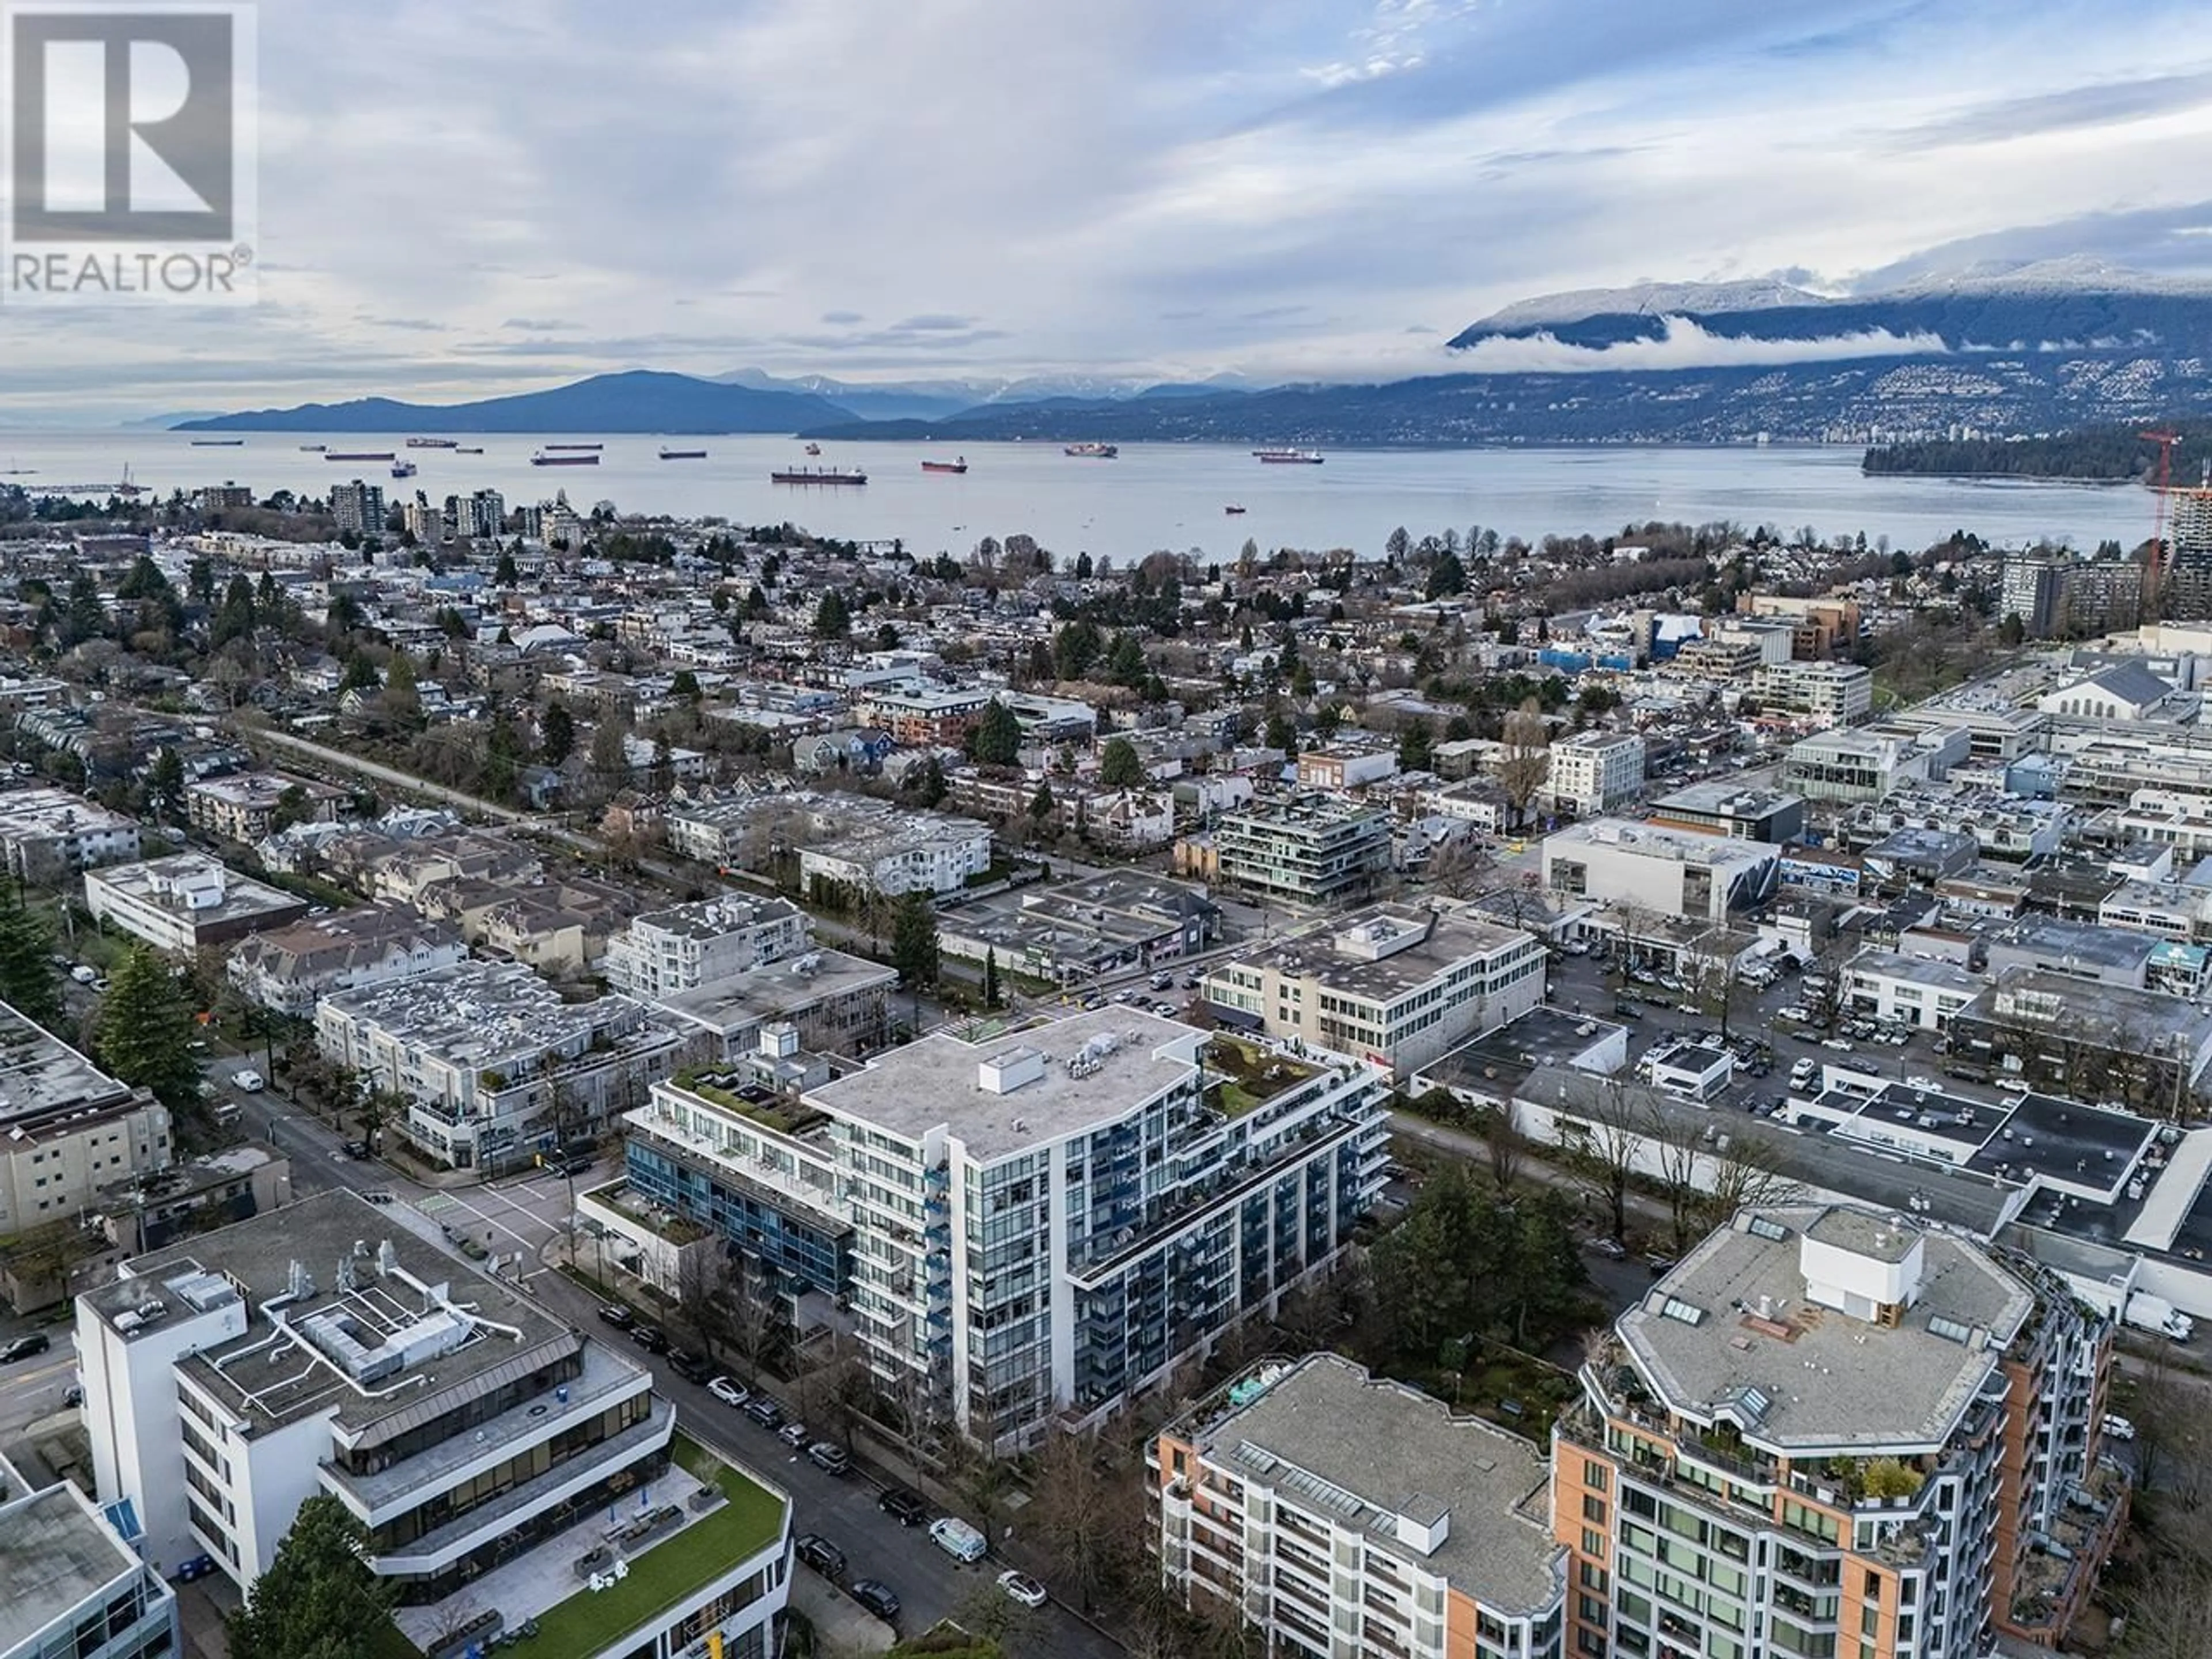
(1030, 1594)
(1611, 1248)
(819, 1553)
(794, 1434)
(617, 1316)
(251, 1081)
(902, 1506)
(24, 1346)
(355, 1149)
(692, 1367)
(957, 1539)
(82, 974)
(876, 1596)
(829, 1457)
(1661, 1266)
(729, 1393)
(194, 1566)
(2118, 1427)
(73, 1396)
(764, 1411)
(651, 1338)
(1926, 1084)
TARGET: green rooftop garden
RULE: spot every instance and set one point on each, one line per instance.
(670, 1570)
(1247, 1075)
(785, 1117)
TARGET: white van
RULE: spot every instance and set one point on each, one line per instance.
(227, 1114)
(957, 1539)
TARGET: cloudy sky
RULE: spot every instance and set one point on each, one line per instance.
(460, 199)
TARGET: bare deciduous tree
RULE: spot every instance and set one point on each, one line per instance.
(1525, 765)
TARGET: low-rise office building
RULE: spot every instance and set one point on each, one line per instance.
(67, 1129)
(1730, 809)
(1936, 1483)
(1308, 849)
(184, 902)
(483, 1447)
(1923, 992)
(1399, 985)
(1868, 762)
(1669, 873)
(1339, 1513)
(75, 1585)
(494, 1066)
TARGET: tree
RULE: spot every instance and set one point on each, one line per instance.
(1085, 1513)
(359, 675)
(1526, 765)
(1119, 767)
(28, 982)
(318, 1600)
(1283, 734)
(293, 806)
(832, 620)
(933, 787)
(1461, 868)
(556, 733)
(1416, 747)
(1601, 1142)
(914, 939)
(165, 784)
(402, 703)
(504, 574)
(996, 739)
(1447, 576)
(685, 684)
(145, 1033)
(1042, 805)
(991, 977)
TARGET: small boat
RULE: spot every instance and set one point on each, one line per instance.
(668, 455)
(1232, 510)
(1093, 451)
(357, 454)
(403, 469)
(815, 474)
(546, 458)
(1288, 457)
(814, 449)
(960, 464)
(594, 448)
(218, 443)
(313, 449)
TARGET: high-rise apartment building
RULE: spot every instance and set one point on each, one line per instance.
(1831, 1433)
(358, 508)
(1594, 772)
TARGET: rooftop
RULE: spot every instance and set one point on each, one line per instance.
(401, 1306)
(776, 990)
(1657, 841)
(195, 885)
(35, 812)
(711, 919)
(57, 1556)
(1723, 798)
(935, 1084)
(480, 1014)
(2075, 941)
(44, 1083)
(1385, 952)
(1365, 1451)
(1731, 1331)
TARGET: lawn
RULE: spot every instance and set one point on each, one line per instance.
(668, 1572)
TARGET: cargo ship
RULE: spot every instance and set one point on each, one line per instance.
(1289, 456)
(668, 455)
(434, 443)
(594, 448)
(1233, 511)
(959, 464)
(313, 449)
(1093, 451)
(218, 443)
(545, 456)
(357, 455)
(815, 474)
(469, 449)
(403, 469)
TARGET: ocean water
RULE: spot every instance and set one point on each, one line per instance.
(1154, 496)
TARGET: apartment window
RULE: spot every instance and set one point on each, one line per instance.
(1592, 1609)
(1873, 1583)
(1595, 1476)
(1593, 1508)
(1593, 1542)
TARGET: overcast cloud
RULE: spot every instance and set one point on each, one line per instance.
(459, 200)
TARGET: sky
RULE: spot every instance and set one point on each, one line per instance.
(461, 200)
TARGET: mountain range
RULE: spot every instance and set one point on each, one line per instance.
(1992, 348)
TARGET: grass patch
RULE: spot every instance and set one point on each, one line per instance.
(750, 1521)
(310, 888)
(785, 1118)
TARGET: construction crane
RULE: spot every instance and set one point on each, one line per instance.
(2154, 569)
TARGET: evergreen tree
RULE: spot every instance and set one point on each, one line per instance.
(84, 617)
(991, 977)
(318, 1600)
(1447, 576)
(28, 982)
(1120, 766)
(996, 740)
(165, 784)
(145, 1030)
(556, 733)
(235, 619)
(913, 940)
(685, 684)
(1416, 748)
(504, 574)
(402, 703)
(1041, 805)
(832, 621)
(1125, 663)
(933, 785)
(1083, 567)
(502, 755)
(359, 675)
(1283, 734)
